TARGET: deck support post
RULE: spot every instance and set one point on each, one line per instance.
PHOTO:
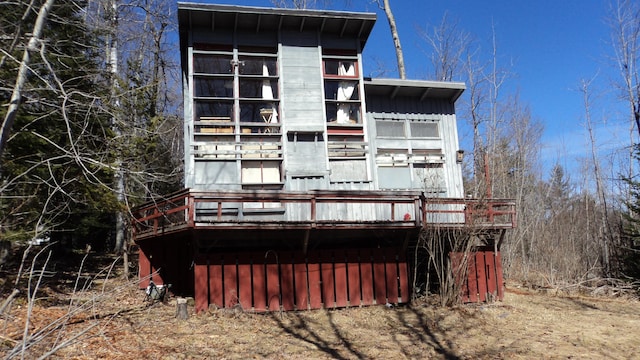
(305, 241)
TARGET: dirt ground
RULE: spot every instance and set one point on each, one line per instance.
(111, 320)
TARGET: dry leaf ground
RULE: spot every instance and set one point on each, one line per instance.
(111, 321)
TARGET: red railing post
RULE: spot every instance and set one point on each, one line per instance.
(155, 220)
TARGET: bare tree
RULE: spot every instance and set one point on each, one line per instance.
(606, 230)
(34, 44)
(448, 45)
(624, 20)
(386, 7)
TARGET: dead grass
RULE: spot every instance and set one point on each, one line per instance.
(526, 325)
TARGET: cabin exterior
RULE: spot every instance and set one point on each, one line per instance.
(306, 183)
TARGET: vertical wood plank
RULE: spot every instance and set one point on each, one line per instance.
(201, 280)
(300, 281)
(259, 283)
(215, 280)
(245, 287)
(472, 276)
(286, 281)
(273, 284)
(353, 270)
(490, 267)
(160, 263)
(481, 276)
(230, 280)
(391, 273)
(144, 268)
(154, 259)
(366, 277)
(340, 273)
(326, 269)
(461, 278)
(499, 276)
(403, 275)
(315, 281)
(379, 277)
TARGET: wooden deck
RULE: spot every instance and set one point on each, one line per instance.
(280, 210)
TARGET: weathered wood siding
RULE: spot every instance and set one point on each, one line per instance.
(484, 281)
(302, 104)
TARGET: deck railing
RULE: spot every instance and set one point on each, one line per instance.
(264, 209)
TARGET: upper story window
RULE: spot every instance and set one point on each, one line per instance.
(424, 129)
(236, 85)
(412, 129)
(341, 74)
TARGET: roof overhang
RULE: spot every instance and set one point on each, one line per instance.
(420, 89)
(355, 25)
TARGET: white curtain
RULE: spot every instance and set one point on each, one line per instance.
(267, 92)
(345, 91)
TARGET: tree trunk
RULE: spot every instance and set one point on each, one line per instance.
(21, 78)
(396, 39)
(181, 309)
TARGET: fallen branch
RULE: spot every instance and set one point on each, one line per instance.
(8, 300)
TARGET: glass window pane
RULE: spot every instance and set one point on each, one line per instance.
(258, 111)
(258, 66)
(340, 67)
(343, 113)
(210, 108)
(214, 87)
(341, 90)
(390, 129)
(429, 177)
(212, 64)
(261, 89)
(424, 129)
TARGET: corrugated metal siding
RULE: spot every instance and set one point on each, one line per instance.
(412, 110)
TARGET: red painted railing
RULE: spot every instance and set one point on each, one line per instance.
(266, 209)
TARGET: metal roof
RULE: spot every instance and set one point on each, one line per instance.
(421, 89)
(354, 25)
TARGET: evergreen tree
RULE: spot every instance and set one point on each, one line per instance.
(58, 159)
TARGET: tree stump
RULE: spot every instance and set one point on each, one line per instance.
(181, 309)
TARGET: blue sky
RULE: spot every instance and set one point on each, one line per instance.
(547, 46)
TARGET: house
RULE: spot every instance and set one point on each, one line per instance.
(306, 183)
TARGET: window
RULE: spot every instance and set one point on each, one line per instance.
(429, 177)
(342, 87)
(259, 172)
(237, 86)
(392, 129)
(424, 129)
(396, 128)
(236, 99)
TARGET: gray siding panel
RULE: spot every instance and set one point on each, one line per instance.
(302, 87)
(303, 113)
(215, 172)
